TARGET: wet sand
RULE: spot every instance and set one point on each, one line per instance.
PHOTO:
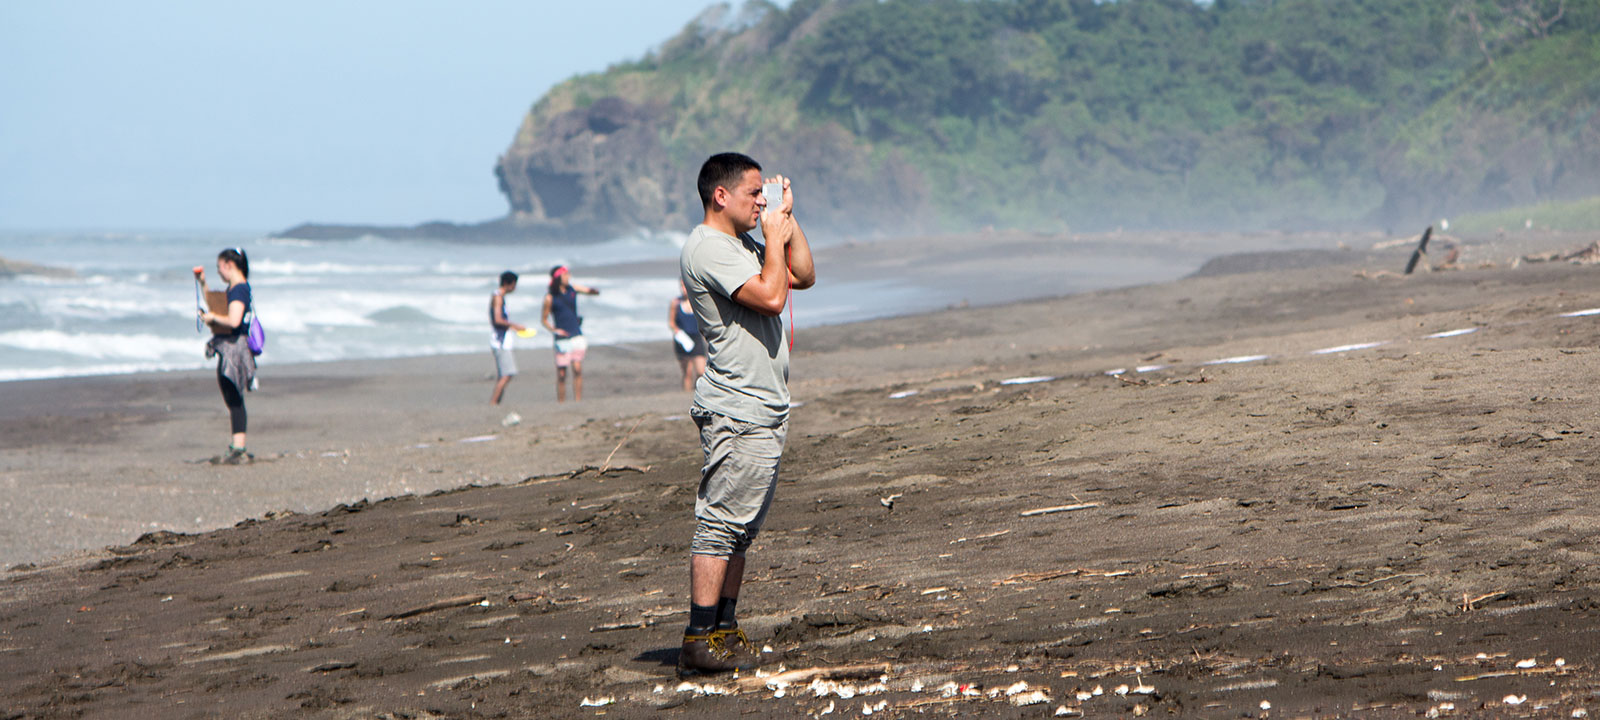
(1368, 521)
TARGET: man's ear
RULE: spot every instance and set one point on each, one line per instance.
(719, 197)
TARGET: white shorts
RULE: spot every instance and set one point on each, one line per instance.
(505, 363)
(571, 350)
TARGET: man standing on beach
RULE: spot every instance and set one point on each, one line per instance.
(741, 403)
(505, 364)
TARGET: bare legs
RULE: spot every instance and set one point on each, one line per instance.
(577, 383)
(693, 367)
(500, 389)
(712, 578)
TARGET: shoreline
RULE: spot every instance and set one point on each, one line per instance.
(163, 423)
(881, 278)
(1334, 528)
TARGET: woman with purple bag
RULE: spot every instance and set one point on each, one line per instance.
(230, 343)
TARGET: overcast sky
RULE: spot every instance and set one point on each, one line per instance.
(255, 115)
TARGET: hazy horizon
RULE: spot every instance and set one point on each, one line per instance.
(191, 116)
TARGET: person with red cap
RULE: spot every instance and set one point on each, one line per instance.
(561, 318)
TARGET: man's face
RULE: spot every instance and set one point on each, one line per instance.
(745, 202)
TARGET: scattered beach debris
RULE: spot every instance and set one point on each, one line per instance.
(1053, 574)
(477, 439)
(1028, 380)
(1469, 603)
(1349, 348)
(510, 419)
(1037, 697)
(455, 602)
(984, 536)
(1580, 313)
(818, 677)
(1587, 255)
(1236, 360)
(1451, 333)
(1452, 253)
(1514, 699)
(698, 689)
(903, 394)
(617, 626)
(1057, 509)
(598, 702)
(610, 471)
(888, 502)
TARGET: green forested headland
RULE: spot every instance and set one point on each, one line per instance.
(918, 115)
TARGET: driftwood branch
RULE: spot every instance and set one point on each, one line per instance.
(607, 464)
(609, 471)
(1421, 251)
(455, 602)
(1057, 509)
(805, 675)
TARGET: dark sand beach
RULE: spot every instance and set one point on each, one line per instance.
(1381, 517)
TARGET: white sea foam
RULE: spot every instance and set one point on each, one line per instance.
(99, 346)
(41, 373)
(291, 267)
(131, 306)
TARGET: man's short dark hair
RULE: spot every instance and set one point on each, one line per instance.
(508, 278)
(723, 170)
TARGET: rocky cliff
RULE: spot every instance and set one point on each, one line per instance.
(904, 116)
(600, 165)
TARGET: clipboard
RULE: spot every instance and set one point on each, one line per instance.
(217, 303)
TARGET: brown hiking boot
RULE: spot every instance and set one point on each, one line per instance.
(739, 647)
(707, 654)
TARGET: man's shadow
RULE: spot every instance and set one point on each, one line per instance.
(664, 656)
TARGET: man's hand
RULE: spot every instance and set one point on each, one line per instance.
(787, 207)
(777, 224)
(777, 228)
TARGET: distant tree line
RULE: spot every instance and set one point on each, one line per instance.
(1146, 113)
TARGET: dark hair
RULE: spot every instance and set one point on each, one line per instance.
(723, 170)
(554, 283)
(237, 257)
(508, 278)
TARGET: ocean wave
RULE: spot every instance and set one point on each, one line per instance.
(12, 374)
(324, 267)
(633, 294)
(117, 306)
(402, 315)
(100, 346)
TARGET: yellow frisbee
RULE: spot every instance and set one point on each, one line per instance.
(527, 333)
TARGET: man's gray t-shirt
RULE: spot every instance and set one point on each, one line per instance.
(747, 365)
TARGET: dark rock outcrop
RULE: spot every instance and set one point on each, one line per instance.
(600, 166)
(9, 268)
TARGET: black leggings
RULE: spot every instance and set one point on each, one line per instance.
(234, 401)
